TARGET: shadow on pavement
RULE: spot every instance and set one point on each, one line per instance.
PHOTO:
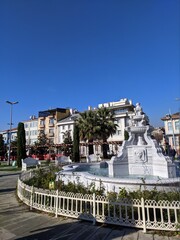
(77, 231)
(9, 174)
(7, 190)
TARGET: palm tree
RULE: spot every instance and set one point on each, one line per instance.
(87, 124)
(106, 127)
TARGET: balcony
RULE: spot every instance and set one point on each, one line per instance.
(42, 126)
(41, 118)
(51, 134)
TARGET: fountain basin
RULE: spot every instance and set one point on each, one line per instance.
(141, 129)
(87, 174)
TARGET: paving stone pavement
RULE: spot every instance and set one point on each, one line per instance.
(18, 222)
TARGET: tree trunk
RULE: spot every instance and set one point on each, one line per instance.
(104, 149)
(90, 146)
(76, 154)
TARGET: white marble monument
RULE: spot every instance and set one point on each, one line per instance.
(140, 154)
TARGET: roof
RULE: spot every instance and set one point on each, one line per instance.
(169, 116)
(48, 112)
(71, 118)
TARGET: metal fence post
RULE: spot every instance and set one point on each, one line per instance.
(57, 198)
(143, 214)
(94, 209)
(32, 197)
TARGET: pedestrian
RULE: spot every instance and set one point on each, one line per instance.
(173, 153)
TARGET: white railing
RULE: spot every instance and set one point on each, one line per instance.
(145, 214)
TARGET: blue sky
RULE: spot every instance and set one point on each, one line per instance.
(76, 53)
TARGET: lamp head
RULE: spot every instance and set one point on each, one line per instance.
(12, 102)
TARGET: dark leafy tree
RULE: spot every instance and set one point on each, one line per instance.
(42, 143)
(14, 148)
(2, 146)
(126, 135)
(76, 154)
(42, 139)
(21, 144)
(67, 143)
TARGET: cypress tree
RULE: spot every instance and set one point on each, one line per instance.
(76, 155)
(2, 146)
(21, 144)
(126, 135)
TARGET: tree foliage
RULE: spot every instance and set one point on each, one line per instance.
(67, 143)
(105, 128)
(98, 124)
(126, 135)
(21, 144)
(2, 146)
(42, 139)
(42, 143)
(87, 124)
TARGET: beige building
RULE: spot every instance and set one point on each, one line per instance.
(48, 119)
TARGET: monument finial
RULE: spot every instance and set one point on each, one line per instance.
(138, 109)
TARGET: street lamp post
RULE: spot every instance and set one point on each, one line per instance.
(178, 99)
(173, 137)
(10, 130)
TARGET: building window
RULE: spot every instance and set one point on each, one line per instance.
(118, 111)
(51, 121)
(177, 126)
(169, 126)
(51, 130)
(118, 132)
(34, 124)
(42, 123)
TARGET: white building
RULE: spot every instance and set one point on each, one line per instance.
(172, 130)
(122, 110)
(6, 135)
(31, 130)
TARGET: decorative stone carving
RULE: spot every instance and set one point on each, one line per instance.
(138, 109)
(140, 154)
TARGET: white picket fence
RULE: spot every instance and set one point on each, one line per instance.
(145, 214)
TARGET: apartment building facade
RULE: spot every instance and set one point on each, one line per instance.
(31, 130)
(55, 122)
(172, 130)
(122, 110)
(48, 119)
(7, 135)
